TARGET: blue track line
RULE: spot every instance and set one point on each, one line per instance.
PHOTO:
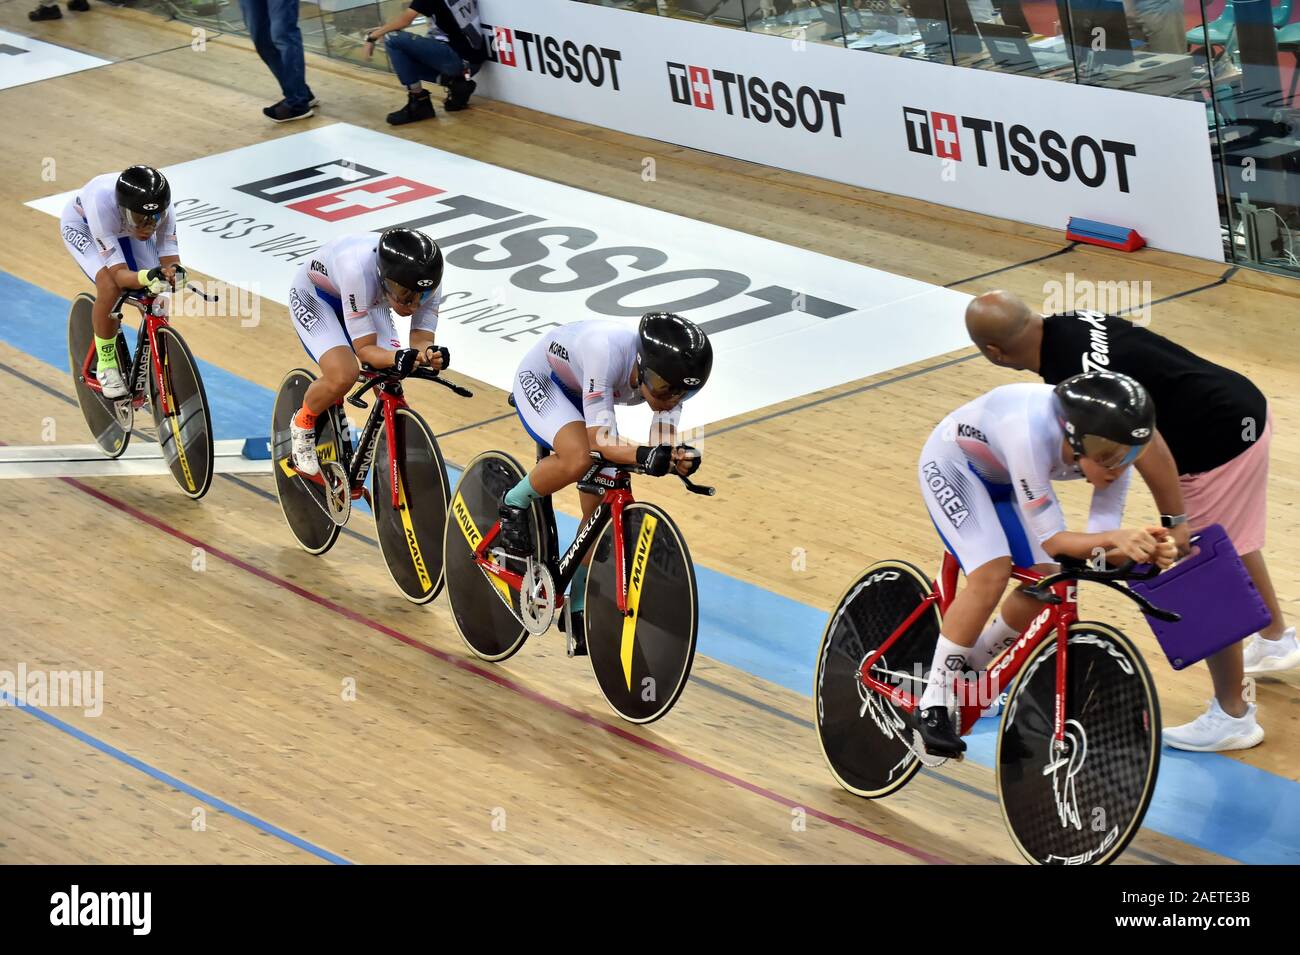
(166, 778)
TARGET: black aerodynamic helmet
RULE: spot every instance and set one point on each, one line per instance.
(143, 195)
(410, 265)
(1108, 417)
(673, 357)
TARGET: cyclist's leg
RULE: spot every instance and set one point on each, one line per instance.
(963, 513)
(81, 246)
(553, 418)
(1017, 609)
(318, 320)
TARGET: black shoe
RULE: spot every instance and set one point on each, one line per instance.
(574, 627)
(43, 12)
(80, 6)
(418, 106)
(459, 91)
(937, 733)
(281, 112)
(516, 535)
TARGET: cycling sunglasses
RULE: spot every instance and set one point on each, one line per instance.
(405, 297)
(139, 220)
(661, 389)
(1111, 454)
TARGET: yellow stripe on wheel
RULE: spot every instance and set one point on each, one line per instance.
(636, 580)
(465, 521)
(168, 400)
(412, 545)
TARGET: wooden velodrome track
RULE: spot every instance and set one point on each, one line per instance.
(230, 680)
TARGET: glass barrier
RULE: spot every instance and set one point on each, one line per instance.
(1240, 58)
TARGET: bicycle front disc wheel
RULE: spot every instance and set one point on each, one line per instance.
(1081, 804)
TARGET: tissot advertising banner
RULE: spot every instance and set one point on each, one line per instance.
(1015, 147)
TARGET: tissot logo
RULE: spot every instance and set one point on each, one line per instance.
(555, 57)
(364, 190)
(363, 198)
(308, 180)
(1015, 146)
(757, 99)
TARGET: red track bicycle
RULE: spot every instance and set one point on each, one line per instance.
(410, 487)
(163, 374)
(1079, 739)
(641, 610)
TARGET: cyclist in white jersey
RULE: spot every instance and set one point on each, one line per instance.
(565, 392)
(121, 230)
(342, 303)
(986, 475)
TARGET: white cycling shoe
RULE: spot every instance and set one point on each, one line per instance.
(1270, 656)
(304, 450)
(1214, 731)
(111, 383)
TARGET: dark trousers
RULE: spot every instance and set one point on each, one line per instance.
(273, 25)
(416, 58)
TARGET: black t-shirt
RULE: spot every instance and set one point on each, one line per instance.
(465, 41)
(1201, 408)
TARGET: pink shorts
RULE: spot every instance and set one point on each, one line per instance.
(1233, 494)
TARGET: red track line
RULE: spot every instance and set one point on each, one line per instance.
(496, 676)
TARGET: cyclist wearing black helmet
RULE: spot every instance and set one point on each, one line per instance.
(121, 230)
(342, 303)
(565, 393)
(986, 475)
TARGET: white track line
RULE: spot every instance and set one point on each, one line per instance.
(139, 460)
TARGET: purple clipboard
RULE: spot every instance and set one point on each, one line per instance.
(1215, 596)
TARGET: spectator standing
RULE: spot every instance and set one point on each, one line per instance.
(273, 26)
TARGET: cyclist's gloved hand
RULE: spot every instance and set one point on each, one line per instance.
(404, 361)
(437, 357)
(655, 459)
(179, 275)
(152, 280)
(688, 460)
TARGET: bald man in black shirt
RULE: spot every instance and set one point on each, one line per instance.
(1216, 426)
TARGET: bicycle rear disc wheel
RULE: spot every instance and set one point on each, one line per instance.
(411, 534)
(184, 435)
(1084, 806)
(863, 735)
(301, 501)
(98, 412)
(642, 661)
(484, 608)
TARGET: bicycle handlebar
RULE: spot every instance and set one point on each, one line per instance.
(1074, 569)
(370, 376)
(600, 461)
(140, 297)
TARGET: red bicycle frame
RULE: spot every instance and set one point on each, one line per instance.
(152, 322)
(1001, 671)
(616, 497)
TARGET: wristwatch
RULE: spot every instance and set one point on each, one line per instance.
(1172, 520)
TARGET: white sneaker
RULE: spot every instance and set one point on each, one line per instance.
(1268, 656)
(1215, 731)
(304, 450)
(111, 383)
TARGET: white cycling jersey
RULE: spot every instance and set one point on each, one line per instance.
(579, 372)
(347, 269)
(95, 232)
(1005, 447)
